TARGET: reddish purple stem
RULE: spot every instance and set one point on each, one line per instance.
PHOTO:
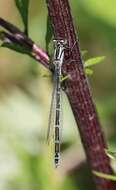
(14, 35)
(79, 95)
(41, 56)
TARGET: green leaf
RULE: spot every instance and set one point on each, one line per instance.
(16, 48)
(105, 176)
(2, 36)
(23, 6)
(63, 78)
(93, 61)
(88, 71)
(84, 52)
(111, 154)
(49, 33)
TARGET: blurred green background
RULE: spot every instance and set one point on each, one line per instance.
(26, 161)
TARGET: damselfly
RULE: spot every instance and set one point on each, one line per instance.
(55, 109)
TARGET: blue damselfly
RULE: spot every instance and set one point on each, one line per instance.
(55, 110)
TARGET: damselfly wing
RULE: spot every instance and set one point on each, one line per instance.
(51, 121)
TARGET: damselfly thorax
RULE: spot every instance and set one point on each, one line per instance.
(57, 61)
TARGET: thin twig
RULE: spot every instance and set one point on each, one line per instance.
(16, 36)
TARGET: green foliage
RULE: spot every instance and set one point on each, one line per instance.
(16, 47)
(105, 176)
(88, 72)
(93, 61)
(23, 6)
(84, 52)
(111, 154)
(63, 78)
(49, 33)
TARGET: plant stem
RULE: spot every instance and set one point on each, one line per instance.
(79, 95)
(15, 35)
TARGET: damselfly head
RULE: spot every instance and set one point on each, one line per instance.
(59, 51)
(60, 42)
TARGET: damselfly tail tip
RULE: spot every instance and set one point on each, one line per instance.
(57, 160)
(56, 165)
